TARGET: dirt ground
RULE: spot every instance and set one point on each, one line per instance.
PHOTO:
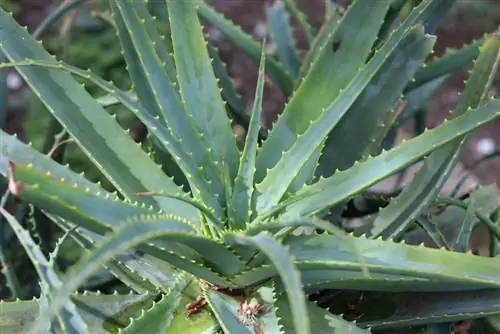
(250, 15)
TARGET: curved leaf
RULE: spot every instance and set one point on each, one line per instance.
(97, 133)
(284, 265)
(131, 234)
(344, 184)
(198, 86)
(225, 310)
(332, 71)
(158, 95)
(281, 32)
(428, 181)
(241, 200)
(248, 45)
(68, 315)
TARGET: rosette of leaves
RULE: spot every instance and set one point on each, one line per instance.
(222, 255)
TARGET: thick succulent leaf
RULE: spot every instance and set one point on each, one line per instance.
(283, 264)
(68, 315)
(344, 184)
(322, 321)
(12, 149)
(158, 95)
(412, 262)
(157, 318)
(428, 181)
(131, 234)
(301, 19)
(98, 310)
(413, 309)
(198, 85)
(330, 262)
(282, 174)
(445, 65)
(327, 76)
(225, 309)
(241, 200)
(96, 132)
(344, 144)
(92, 210)
(281, 32)
(319, 43)
(249, 46)
(226, 85)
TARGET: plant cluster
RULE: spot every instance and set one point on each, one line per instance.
(210, 237)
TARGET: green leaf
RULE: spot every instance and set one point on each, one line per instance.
(281, 32)
(130, 234)
(158, 95)
(12, 149)
(226, 85)
(19, 316)
(225, 310)
(344, 184)
(248, 45)
(426, 267)
(318, 90)
(319, 42)
(157, 318)
(322, 321)
(418, 308)
(428, 181)
(447, 64)
(241, 200)
(363, 125)
(301, 19)
(198, 84)
(279, 177)
(95, 211)
(97, 133)
(68, 315)
(285, 267)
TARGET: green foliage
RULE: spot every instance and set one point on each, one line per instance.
(215, 231)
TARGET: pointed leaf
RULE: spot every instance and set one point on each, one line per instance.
(279, 177)
(248, 45)
(428, 181)
(322, 321)
(361, 125)
(281, 32)
(157, 318)
(301, 19)
(19, 316)
(283, 263)
(99, 136)
(131, 234)
(68, 315)
(241, 200)
(418, 308)
(197, 83)
(345, 184)
(225, 310)
(342, 64)
(158, 95)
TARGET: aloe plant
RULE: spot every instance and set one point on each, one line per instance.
(225, 254)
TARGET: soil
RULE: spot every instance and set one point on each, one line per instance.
(250, 15)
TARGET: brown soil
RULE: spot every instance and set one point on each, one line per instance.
(251, 13)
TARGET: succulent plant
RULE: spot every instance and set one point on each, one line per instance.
(212, 244)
